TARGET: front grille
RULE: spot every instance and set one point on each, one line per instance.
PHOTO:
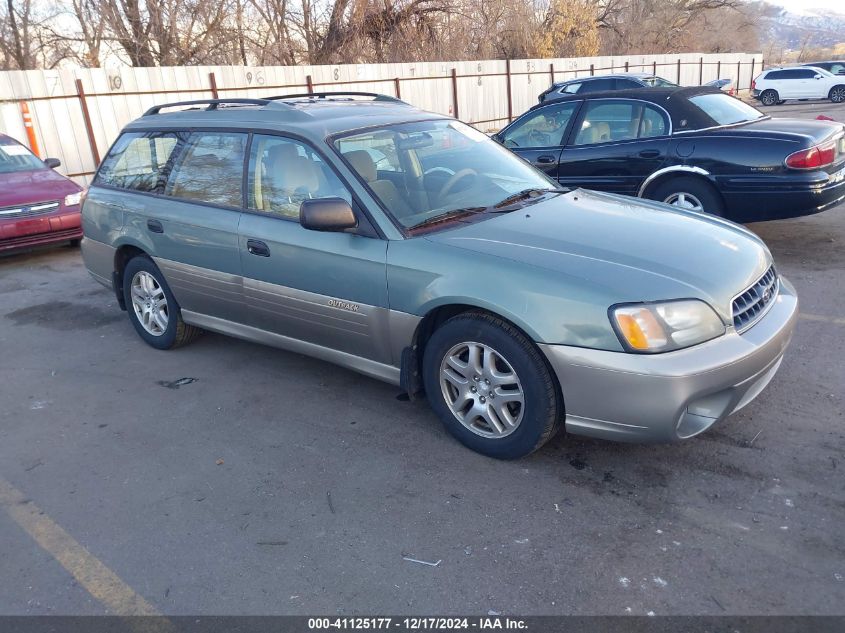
(754, 302)
(27, 210)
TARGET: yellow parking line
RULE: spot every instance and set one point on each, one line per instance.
(97, 579)
(807, 316)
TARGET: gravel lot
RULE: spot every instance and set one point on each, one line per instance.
(274, 483)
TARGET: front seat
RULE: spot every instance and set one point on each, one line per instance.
(385, 190)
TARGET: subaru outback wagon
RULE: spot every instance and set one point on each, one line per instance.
(412, 248)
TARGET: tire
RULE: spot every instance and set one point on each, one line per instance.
(74, 243)
(519, 366)
(166, 333)
(769, 97)
(837, 94)
(689, 193)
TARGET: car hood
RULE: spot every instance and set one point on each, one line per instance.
(630, 250)
(31, 187)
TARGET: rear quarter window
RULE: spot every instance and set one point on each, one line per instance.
(209, 169)
(137, 161)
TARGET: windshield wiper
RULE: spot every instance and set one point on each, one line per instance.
(447, 215)
(533, 192)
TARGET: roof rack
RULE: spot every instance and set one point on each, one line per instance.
(340, 93)
(211, 104)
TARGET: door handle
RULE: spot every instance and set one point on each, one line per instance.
(257, 247)
(545, 159)
(649, 153)
(155, 226)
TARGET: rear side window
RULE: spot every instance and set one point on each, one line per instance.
(596, 85)
(138, 161)
(791, 73)
(625, 84)
(571, 89)
(610, 121)
(209, 169)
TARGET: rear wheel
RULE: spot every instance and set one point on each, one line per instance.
(693, 194)
(837, 94)
(152, 307)
(491, 386)
(769, 98)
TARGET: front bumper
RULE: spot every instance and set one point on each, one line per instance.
(676, 395)
(65, 224)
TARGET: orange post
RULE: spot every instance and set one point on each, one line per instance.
(30, 129)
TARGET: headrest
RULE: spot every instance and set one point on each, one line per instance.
(363, 163)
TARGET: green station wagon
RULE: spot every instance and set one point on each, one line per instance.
(408, 246)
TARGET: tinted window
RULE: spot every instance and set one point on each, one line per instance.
(542, 128)
(624, 84)
(608, 121)
(724, 109)
(15, 157)
(791, 73)
(138, 161)
(209, 169)
(806, 74)
(284, 172)
(596, 85)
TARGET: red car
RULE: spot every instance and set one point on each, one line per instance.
(37, 205)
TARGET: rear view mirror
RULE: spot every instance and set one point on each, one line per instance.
(52, 163)
(327, 214)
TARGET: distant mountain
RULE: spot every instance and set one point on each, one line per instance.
(815, 28)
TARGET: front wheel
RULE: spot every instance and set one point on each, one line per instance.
(491, 386)
(837, 94)
(152, 307)
(693, 194)
(769, 98)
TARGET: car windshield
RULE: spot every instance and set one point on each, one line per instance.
(15, 157)
(431, 169)
(724, 109)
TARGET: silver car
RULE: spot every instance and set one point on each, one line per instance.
(411, 248)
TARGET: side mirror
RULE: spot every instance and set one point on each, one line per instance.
(327, 214)
(817, 77)
(497, 137)
(52, 163)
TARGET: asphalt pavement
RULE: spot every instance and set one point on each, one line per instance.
(231, 478)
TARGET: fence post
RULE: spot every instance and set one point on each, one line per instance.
(751, 78)
(30, 130)
(701, 71)
(396, 87)
(679, 71)
(552, 73)
(654, 67)
(310, 84)
(738, 74)
(626, 65)
(508, 87)
(212, 82)
(719, 69)
(455, 92)
(592, 70)
(86, 116)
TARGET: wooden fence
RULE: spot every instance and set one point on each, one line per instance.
(77, 113)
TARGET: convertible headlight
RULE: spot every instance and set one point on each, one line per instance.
(73, 199)
(666, 326)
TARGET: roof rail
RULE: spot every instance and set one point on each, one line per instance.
(340, 93)
(211, 104)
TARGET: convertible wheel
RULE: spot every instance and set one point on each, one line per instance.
(689, 193)
(152, 308)
(491, 386)
(769, 98)
(837, 94)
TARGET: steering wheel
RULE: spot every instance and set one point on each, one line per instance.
(459, 175)
(538, 139)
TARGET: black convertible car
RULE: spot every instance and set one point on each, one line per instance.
(697, 148)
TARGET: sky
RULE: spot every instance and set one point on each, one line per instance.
(799, 6)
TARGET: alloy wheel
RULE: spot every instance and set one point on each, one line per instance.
(482, 390)
(837, 95)
(149, 303)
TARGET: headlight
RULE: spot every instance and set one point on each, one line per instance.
(666, 326)
(73, 199)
